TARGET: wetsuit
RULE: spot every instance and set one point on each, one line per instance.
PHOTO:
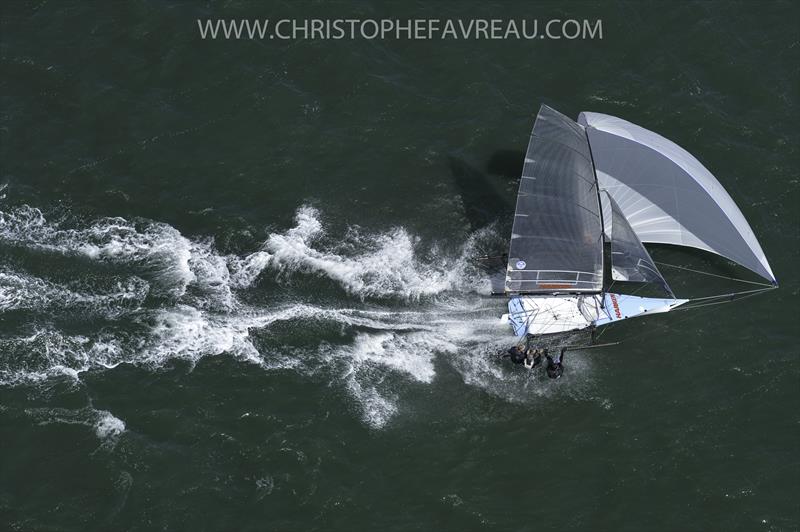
(554, 367)
(516, 355)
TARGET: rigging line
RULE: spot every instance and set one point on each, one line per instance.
(730, 300)
(712, 303)
(711, 274)
(530, 315)
(639, 289)
(665, 328)
(544, 325)
(611, 285)
(732, 294)
(661, 329)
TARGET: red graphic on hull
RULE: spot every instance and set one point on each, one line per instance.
(616, 306)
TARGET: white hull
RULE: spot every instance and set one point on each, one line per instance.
(549, 315)
(537, 315)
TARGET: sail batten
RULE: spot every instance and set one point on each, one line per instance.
(556, 243)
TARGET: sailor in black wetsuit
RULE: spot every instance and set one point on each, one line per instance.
(554, 367)
(516, 354)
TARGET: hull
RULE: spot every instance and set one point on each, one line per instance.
(536, 315)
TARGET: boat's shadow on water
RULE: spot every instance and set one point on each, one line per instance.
(488, 195)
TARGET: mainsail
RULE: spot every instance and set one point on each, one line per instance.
(557, 235)
(667, 195)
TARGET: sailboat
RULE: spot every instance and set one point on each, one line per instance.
(603, 180)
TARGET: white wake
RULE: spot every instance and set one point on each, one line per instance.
(164, 296)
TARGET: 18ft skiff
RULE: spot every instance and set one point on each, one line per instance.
(605, 180)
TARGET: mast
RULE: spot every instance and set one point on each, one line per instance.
(600, 209)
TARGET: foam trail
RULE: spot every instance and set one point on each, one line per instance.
(107, 427)
(387, 344)
(408, 355)
(389, 267)
(159, 250)
(20, 291)
(244, 272)
(171, 263)
(417, 306)
(189, 333)
(376, 409)
(48, 352)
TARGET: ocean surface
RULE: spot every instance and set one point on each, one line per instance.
(238, 286)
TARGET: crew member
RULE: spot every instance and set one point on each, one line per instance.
(555, 368)
(516, 354)
(533, 357)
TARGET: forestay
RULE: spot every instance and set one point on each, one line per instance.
(556, 241)
(667, 195)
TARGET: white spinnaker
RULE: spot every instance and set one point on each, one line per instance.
(667, 195)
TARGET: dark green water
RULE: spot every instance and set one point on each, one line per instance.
(236, 290)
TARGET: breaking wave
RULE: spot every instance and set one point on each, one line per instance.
(164, 296)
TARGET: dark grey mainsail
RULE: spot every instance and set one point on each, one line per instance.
(630, 261)
(557, 236)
